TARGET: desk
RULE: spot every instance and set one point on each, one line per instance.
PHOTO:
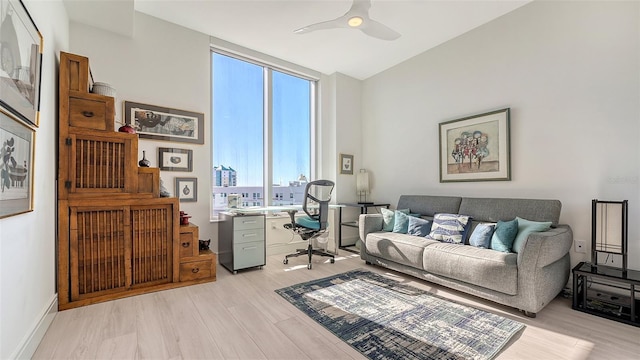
(354, 224)
(610, 305)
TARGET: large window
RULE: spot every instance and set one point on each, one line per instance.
(262, 126)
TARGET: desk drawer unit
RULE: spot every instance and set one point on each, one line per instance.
(241, 241)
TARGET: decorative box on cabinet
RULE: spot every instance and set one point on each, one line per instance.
(241, 241)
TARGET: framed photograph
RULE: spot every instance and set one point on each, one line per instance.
(476, 148)
(187, 189)
(21, 53)
(162, 123)
(175, 159)
(346, 164)
(16, 165)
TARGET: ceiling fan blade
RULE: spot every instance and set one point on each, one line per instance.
(331, 24)
(379, 30)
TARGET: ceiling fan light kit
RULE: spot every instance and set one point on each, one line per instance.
(356, 18)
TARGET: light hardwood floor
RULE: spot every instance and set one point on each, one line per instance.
(241, 317)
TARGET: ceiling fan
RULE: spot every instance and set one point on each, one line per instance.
(356, 18)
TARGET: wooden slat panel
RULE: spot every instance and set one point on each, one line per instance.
(152, 245)
(99, 164)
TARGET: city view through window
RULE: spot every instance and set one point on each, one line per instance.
(242, 122)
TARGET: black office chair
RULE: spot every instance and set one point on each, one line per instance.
(316, 206)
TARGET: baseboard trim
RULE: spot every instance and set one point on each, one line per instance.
(30, 342)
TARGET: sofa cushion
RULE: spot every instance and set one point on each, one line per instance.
(494, 209)
(482, 267)
(388, 217)
(429, 205)
(526, 227)
(504, 235)
(419, 227)
(400, 248)
(450, 228)
(400, 222)
(481, 235)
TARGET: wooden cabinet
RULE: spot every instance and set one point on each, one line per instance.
(116, 236)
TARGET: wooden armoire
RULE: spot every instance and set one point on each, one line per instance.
(116, 236)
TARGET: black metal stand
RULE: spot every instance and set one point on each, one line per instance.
(354, 224)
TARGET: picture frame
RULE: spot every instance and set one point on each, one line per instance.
(476, 148)
(346, 164)
(16, 165)
(163, 123)
(187, 189)
(171, 159)
(21, 63)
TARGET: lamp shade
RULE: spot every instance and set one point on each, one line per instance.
(362, 182)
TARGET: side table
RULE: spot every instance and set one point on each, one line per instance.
(354, 224)
(621, 305)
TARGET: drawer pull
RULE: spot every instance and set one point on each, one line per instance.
(185, 244)
(87, 114)
(250, 248)
(195, 270)
(249, 235)
(249, 222)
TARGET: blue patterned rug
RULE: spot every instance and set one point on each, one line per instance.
(384, 319)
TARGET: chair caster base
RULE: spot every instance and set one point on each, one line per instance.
(285, 261)
(309, 266)
(333, 261)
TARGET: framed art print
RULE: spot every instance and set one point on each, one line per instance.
(346, 164)
(162, 123)
(21, 62)
(175, 159)
(16, 165)
(476, 148)
(187, 189)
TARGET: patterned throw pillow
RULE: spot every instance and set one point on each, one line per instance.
(418, 226)
(451, 228)
(481, 236)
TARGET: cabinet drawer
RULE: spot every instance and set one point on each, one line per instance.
(195, 270)
(90, 114)
(243, 236)
(248, 222)
(187, 246)
(248, 255)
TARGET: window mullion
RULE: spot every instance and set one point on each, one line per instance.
(268, 137)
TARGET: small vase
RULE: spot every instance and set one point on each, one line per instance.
(144, 162)
(127, 129)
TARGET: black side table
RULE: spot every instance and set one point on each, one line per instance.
(620, 305)
(354, 224)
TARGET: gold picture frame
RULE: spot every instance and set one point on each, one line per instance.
(346, 164)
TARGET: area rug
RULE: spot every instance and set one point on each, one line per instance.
(385, 319)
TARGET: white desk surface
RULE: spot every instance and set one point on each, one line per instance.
(279, 208)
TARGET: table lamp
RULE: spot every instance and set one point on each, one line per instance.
(362, 186)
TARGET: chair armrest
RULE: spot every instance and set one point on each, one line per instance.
(369, 223)
(544, 248)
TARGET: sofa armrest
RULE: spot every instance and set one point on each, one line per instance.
(369, 223)
(544, 248)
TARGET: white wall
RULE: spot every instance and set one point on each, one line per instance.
(165, 65)
(569, 71)
(27, 241)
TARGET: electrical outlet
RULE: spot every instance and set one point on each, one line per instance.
(581, 246)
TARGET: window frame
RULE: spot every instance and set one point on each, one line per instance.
(314, 104)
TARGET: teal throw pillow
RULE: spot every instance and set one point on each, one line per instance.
(418, 226)
(400, 222)
(388, 217)
(526, 227)
(451, 228)
(504, 235)
(481, 236)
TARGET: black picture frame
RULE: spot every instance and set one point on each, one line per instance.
(172, 159)
(19, 74)
(186, 189)
(16, 165)
(163, 123)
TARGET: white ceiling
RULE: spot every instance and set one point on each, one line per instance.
(267, 26)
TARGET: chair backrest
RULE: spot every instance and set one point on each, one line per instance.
(316, 201)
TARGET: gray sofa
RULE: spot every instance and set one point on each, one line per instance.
(527, 280)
